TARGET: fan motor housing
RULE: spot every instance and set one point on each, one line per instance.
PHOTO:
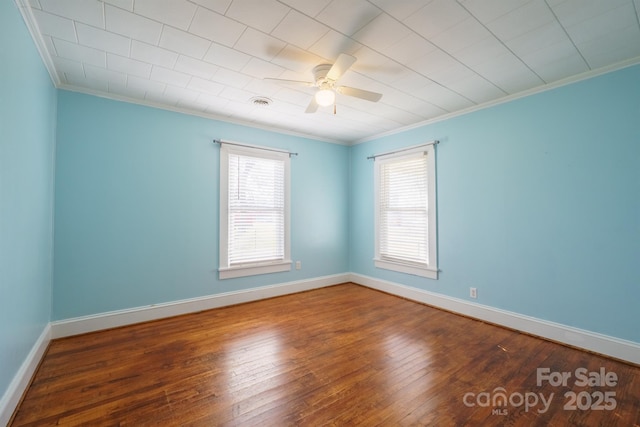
(320, 73)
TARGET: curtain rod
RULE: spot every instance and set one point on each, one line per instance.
(434, 142)
(219, 141)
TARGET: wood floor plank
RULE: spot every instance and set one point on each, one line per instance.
(342, 355)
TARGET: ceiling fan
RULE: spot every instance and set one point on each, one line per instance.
(326, 77)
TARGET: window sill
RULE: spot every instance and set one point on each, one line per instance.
(254, 269)
(415, 270)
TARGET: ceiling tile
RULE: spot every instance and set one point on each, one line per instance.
(400, 10)
(411, 81)
(153, 54)
(125, 91)
(481, 51)
(433, 64)
(132, 25)
(87, 11)
(436, 17)
(332, 44)
(552, 53)
(263, 88)
(395, 114)
(186, 64)
(539, 38)
(104, 40)
(68, 66)
(208, 86)
(171, 77)
(212, 103)
(177, 13)
(263, 15)
(383, 31)
(299, 30)
(55, 26)
(450, 76)
(347, 17)
(409, 48)
(183, 42)
(292, 96)
(262, 69)
(611, 48)
(122, 4)
(296, 60)
(601, 25)
(508, 73)
(216, 28)
(231, 78)
(377, 66)
(128, 66)
(179, 93)
(442, 97)
(259, 44)
(572, 12)
(461, 35)
(411, 103)
(566, 66)
(79, 53)
(138, 83)
(102, 74)
(219, 6)
(226, 57)
(308, 7)
(91, 84)
(488, 10)
(476, 88)
(192, 105)
(529, 17)
(235, 94)
(361, 81)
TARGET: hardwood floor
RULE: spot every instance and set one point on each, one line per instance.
(343, 355)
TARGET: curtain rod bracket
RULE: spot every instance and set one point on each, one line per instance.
(219, 141)
(434, 142)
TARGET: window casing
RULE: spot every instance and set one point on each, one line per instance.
(254, 212)
(405, 212)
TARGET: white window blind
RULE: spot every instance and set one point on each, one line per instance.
(256, 209)
(403, 210)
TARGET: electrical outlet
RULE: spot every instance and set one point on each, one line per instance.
(298, 265)
(473, 293)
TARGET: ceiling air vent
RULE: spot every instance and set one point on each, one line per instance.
(261, 101)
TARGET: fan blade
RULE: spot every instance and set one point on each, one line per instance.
(359, 93)
(342, 64)
(313, 106)
(290, 82)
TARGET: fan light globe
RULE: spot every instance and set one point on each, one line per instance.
(325, 97)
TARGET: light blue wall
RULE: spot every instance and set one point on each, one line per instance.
(538, 205)
(27, 144)
(137, 206)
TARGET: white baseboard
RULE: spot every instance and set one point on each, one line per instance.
(11, 398)
(113, 319)
(603, 344)
(610, 346)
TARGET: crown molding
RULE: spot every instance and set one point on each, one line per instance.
(533, 91)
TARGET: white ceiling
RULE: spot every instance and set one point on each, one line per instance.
(428, 58)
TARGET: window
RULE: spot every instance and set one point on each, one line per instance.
(406, 212)
(254, 212)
